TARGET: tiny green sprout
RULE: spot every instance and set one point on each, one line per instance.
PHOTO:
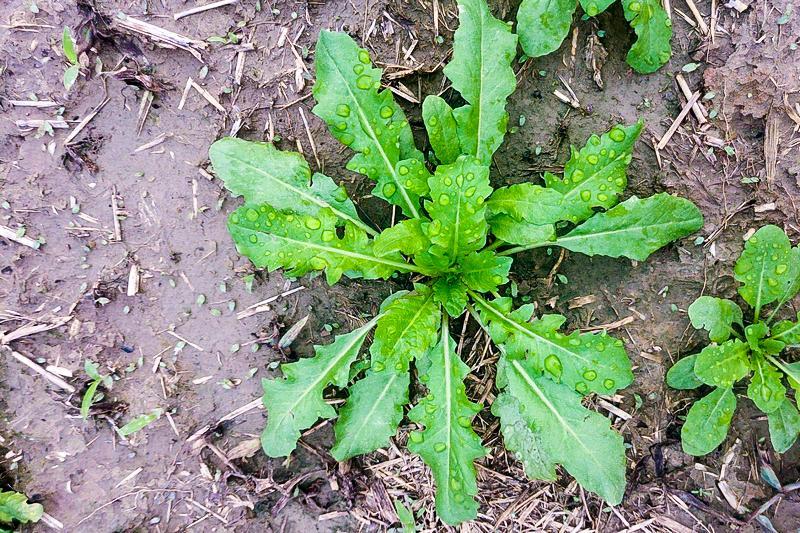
(456, 235)
(71, 55)
(768, 271)
(92, 370)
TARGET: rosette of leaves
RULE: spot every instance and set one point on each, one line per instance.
(543, 26)
(769, 275)
(15, 509)
(456, 239)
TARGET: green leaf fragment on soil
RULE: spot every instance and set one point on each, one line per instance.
(653, 29)
(543, 26)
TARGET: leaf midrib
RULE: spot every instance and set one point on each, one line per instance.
(368, 129)
(340, 251)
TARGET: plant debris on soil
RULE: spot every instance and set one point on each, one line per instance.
(113, 249)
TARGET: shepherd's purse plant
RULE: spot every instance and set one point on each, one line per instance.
(456, 241)
(769, 273)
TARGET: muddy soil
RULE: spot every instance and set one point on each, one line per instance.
(177, 345)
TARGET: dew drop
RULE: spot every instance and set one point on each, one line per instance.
(609, 384)
(460, 180)
(590, 375)
(553, 365)
(464, 422)
(313, 223)
(389, 189)
(341, 126)
(363, 56)
(772, 282)
(455, 484)
(253, 239)
(780, 269)
(358, 69)
(343, 110)
(586, 195)
(444, 199)
(416, 437)
(617, 134)
(346, 139)
(635, 7)
(577, 176)
(387, 111)
(592, 159)
(430, 408)
(469, 192)
(364, 82)
(328, 235)
(433, 121)
(603, 197)
(251, 214)
(440, 447)
(582, 387)
(448, 181)
(575, 341)
(377, 366)
(403, 170)
(234, 218)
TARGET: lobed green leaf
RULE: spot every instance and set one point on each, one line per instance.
(440, 123)
(484, 271)
(447, 444)
(653, 29)
(483, 50)
(296, 401)
(457, 208)
(715, 315)
(585, 362)
(363, 118)
(567, 433)
(766, 389)
(15, 506)
(451, 291)
(787, 331)
(708, 421)
(301, 244)
(635, 228)
(407, 236)
(722, 365)
(543, 26)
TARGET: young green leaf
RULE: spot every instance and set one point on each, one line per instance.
(784, 426)
(708, 421)
(766, 389)
(787, 331)
(596, 175)
(722, 365)
(263, 174)
(448, 445)
(405, 516)
(440, 123)
(542, 26)
(568, 433)
(484, 271)
(457, 208)
(451, 291)
(763, 268)
(528, 202)
(15, 506)
(793, 287)
(363, 118)
(406, 330)
(296, 401)
(653, 29)
(88, 398)
(510, 231)
(635, 228)
(140, 422)
(595, 7)
(407, 236)
(583, 361)
(300, 244)
(371, 414)
(68, 46)
(715, 315)
(520, 438)
(71, 76)
(681, 376)
(483, 49)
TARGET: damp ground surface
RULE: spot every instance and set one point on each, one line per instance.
(178, 343)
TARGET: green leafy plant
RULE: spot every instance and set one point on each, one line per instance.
(456, 242)
(769, 274)
(14, 507)
(71, 54)
(543, 26)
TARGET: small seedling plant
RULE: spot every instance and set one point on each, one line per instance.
(455, 242)
(543, 26)
(769, 273)
(71, 55)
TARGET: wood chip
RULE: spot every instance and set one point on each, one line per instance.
(133, 280)
(678, 120)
